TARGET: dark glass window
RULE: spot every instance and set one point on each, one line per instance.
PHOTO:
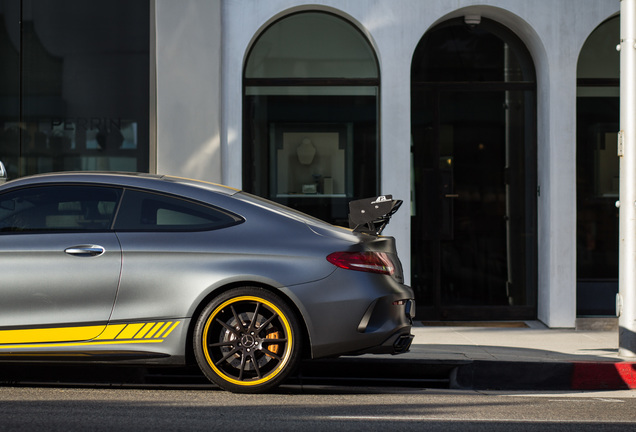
(58, 208)
(310, 123)
(597, 170)
(146, 211)
(74, 94)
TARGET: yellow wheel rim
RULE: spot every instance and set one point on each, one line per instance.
(242, 340)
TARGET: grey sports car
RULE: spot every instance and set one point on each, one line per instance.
(159, 270)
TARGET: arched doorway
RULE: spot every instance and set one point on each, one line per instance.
(311, 80)
(473, 124)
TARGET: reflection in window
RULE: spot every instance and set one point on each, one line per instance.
(78, 85)
(145, 211)
(58, 208)
(310, 120)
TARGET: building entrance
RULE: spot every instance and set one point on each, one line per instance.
(474, 176)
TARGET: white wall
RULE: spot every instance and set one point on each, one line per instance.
(188, 56)
(554, 31)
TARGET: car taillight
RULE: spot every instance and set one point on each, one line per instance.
(373, 262)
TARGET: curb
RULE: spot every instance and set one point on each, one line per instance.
(470, 374)
(365, 371)
(493, 375)
(380, 371)
(597, 376)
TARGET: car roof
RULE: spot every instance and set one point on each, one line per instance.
(130, 179)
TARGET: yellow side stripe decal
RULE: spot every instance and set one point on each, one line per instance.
(154, 330)
(165, 335)
(144, 330)
(129, 331)
(151, 332)
(72, 344)
(111, 332)
(50, 334)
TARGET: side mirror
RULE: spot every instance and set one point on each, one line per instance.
(3, 173)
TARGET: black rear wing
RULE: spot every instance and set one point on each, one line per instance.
(371, 215)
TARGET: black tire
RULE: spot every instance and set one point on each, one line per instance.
(247, 340)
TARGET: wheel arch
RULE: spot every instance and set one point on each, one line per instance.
(306, 346)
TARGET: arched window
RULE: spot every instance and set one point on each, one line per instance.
(473, 124)
(597, 119)
(310, 119)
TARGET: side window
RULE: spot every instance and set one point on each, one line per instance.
(147, 211)
(58, 208)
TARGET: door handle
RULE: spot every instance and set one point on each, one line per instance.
(451, 196)
(85, 250)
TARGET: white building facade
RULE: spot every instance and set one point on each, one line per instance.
(414, 98)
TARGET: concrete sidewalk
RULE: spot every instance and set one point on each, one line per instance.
(504, 342)
(531, 357)
(510, 356)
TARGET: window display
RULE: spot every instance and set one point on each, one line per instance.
(311, 160)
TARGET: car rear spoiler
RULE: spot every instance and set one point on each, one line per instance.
(371, 215)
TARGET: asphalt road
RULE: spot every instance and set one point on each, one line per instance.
(314, 408)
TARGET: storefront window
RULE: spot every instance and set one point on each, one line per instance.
(597, 171)
(310, 115)
(75, 92)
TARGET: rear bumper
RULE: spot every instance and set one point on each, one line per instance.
(353, 313)
(398, 343)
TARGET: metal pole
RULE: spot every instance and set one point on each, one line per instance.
(626, 299)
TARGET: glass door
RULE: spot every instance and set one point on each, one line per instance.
(473, 244)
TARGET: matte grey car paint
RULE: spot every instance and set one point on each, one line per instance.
(43, 285)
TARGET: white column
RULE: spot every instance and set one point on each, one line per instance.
(395, 157)
(627, 154)
(188, 58)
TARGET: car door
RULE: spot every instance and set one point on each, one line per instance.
(59, 262)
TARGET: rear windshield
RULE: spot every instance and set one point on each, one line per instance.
(281, 209)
